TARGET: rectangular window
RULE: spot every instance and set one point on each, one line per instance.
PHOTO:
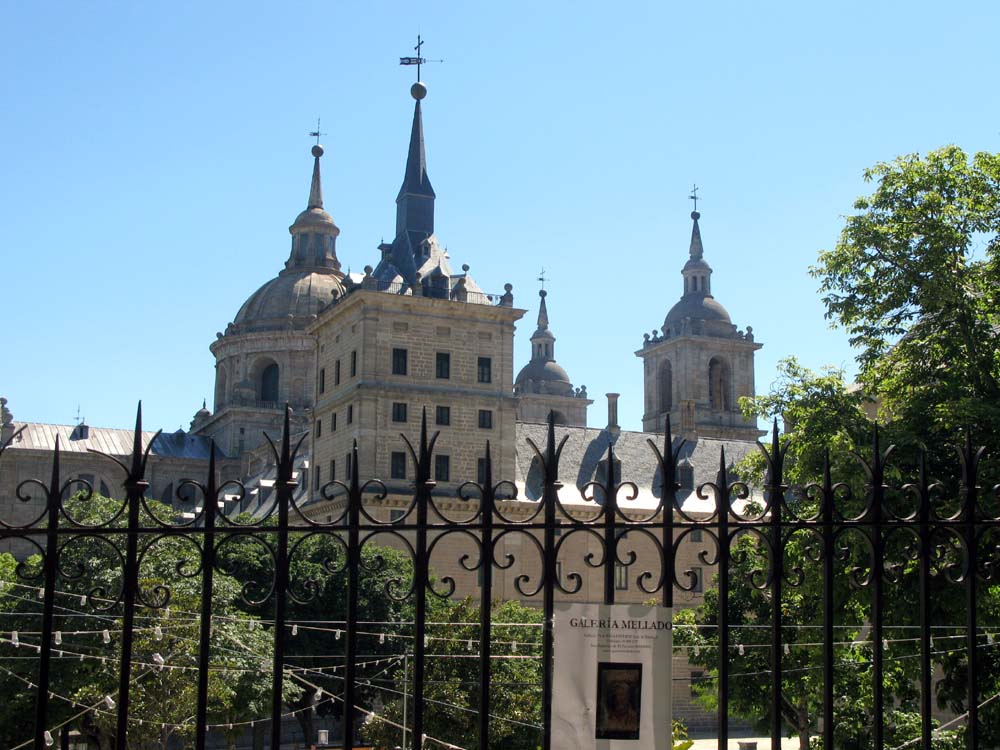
(333, 470)
(398, 412)
(399, 357)
(354, 363)
(695, 535)
(350, 413)
(443, 366)
(397, 465)
(621, 577)
(333, 422)
(485, 419)
(322, 379)
(480, 471)
(316, 472)
(485, 369)
(442, 468)
(336, 372)
(319, 428)
(442, 415)
(347, 467)
(699, 580)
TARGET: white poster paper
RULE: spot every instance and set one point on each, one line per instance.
(612, 685)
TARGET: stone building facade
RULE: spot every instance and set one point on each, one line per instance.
(362, 357)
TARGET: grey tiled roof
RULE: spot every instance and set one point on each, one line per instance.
(114, 442)
(586, 448)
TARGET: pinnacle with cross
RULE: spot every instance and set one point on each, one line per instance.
(316, 133)
(694, 196)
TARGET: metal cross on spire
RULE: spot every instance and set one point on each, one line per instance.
(418, 60)
(694, 196)
(542, 277)
(316, 133)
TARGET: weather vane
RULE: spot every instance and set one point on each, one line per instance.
(315, 133)
(418, 60)
(542, 278)
(694, 196)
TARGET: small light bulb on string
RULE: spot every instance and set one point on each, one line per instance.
(885, 644)
(319, 694)
(14, 639)
(295, 629)
(336, 635)
(57, 637)
(109, 702)
(158, 660)
(381, 637)
(427, 640)
(742, 652)
(41, 593)
(932, 643)
(158, 633)
(106, 636)
(47, 736)
(252, 625)
(788, 650)
(513, 647)
(697, 649)
(166, 613)
(989, 638)
(83, 599)
(468, 646)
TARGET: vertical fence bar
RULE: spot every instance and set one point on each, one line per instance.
(775, 501)
(722, 508)
(610, 532)
(878, 593)
(486, 601)
(668, 471)
(550, 464)
(970, 463)
(424, 485)
(828, 572)
(926, 686)
(351, 615)
(210, 493)
(135, 486)
(53, 502)
(284, 486)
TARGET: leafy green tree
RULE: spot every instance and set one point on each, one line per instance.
(915, 281)
(452, 680)
(165, 649)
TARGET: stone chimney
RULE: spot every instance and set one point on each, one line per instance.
(613, 426)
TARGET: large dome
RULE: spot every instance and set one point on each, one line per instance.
(551, 373)
(696, 307)
(292, 294)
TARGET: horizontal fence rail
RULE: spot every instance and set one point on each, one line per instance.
(870, 538)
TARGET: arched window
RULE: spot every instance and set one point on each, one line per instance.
(559, 417)
(666, 386)
(719, 385)
(269, 383)
(220, 387)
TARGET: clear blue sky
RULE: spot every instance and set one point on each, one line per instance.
(152, 156)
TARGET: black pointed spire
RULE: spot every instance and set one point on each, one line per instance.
(415, 202)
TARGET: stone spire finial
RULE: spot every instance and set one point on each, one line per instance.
(543, 313)
(316, 188)
(696, 250)
(314, 233)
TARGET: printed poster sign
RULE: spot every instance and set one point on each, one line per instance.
(612, 677)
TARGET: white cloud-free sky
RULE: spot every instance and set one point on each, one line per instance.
(153, 154)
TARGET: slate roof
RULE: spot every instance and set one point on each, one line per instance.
(114, 442)
(586, 448)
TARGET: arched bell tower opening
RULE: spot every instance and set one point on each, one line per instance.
(665, 386)
(268, 381)
(720, 384)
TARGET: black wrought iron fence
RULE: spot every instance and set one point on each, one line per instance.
(962, 546)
